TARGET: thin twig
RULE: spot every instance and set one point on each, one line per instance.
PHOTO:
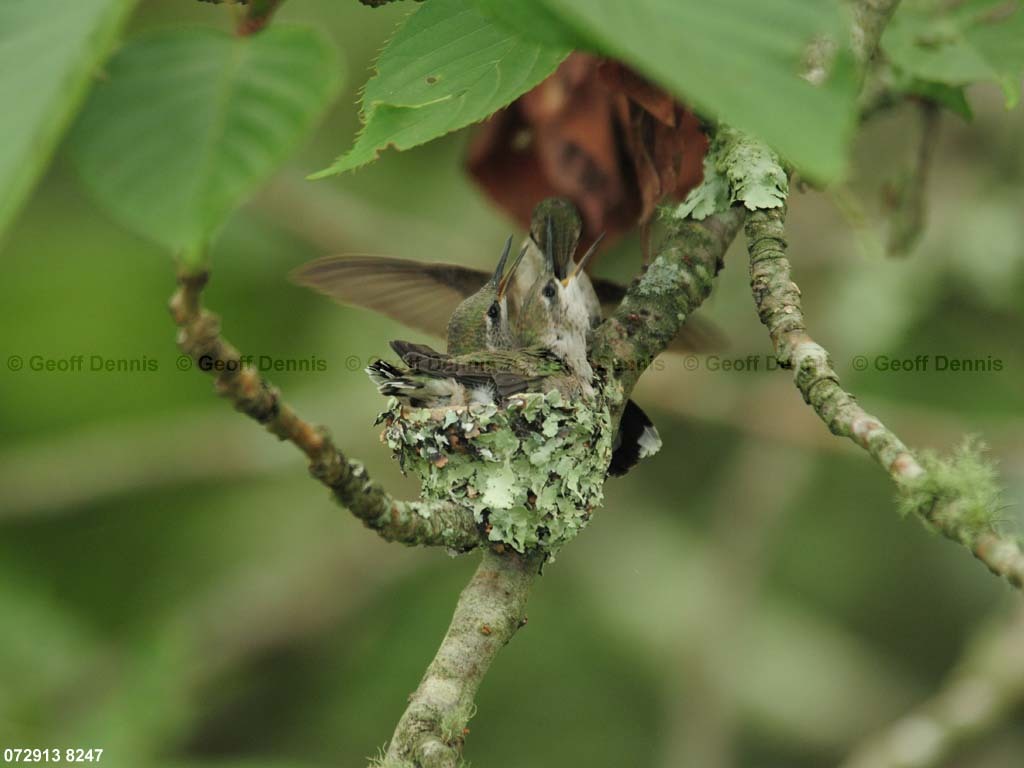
(778, 305)
(257, 16)
(490, 610)
(909, 213)
(434, 524)
(380, 3)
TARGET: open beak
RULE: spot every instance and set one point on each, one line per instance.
(582, 263)
(504, 283)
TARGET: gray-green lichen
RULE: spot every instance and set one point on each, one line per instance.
(964, 486)
(737, 169)
(532, 472)
(660, 279)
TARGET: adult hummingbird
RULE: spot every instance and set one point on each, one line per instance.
(424, 295)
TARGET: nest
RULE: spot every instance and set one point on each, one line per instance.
(531, 472)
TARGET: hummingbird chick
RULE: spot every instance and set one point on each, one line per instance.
(523, 331)
(560, 308)
(482, 364)
(559, 311)
(481, 322)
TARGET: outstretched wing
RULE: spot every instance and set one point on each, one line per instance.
(423, 295)
(697, 334)
(420, 295)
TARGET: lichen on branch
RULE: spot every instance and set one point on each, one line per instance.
(870, 18)
(738, 170)
(429, 524)
(956, 497)
(491, 609)
(658, 302)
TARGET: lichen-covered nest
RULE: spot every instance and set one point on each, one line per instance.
(531, 472)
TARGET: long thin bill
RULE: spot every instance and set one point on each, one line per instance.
(496, 278)
(551, 243)
(507, 279)
(582, 263)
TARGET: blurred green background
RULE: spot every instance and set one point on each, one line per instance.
(174, 589)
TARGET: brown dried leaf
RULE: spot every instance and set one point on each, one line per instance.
(597, 133)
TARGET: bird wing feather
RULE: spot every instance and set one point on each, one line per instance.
(423, 295)
(506, 374)
(420, 295)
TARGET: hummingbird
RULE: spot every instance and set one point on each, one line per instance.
(549, 350)
(561, 307)
(484, 363)
(424, 295)
(481, 321)
(554, 302)
(559, 311)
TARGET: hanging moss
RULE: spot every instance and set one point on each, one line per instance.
(532, 472)
(964, 487)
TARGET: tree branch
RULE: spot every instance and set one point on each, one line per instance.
(658, 302)
(490, 610)
(955, 499)
(870, 18)
(257, 16)
(379, 3)
(433, 524)
(980, 696)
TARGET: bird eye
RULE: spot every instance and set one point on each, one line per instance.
(549, 291)
(493, 311)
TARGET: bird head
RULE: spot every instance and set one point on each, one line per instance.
(560, 303)
(481, 321)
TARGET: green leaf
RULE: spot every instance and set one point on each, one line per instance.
(190, 121)
(49, 51)
(952, 97)
(447, 67)
(979, 40)
(531, 20)
(739, 61)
